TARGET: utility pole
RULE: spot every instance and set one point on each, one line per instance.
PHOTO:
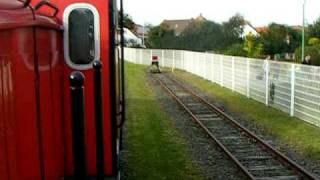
(303, 30)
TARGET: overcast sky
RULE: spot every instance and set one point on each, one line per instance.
(258, 12)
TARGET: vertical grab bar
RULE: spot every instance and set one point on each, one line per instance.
(78, 125)
(97, 66)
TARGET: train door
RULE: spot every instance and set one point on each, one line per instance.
(90, 35)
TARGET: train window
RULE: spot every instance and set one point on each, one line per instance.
(81, 36)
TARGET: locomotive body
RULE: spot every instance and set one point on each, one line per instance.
(41, 43)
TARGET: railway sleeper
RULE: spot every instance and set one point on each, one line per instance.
(211, 115)
(258, 162)
(211, 119)
(254, 158)
(279, 178)
(259, 170)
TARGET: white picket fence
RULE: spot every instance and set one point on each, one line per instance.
(292, 88)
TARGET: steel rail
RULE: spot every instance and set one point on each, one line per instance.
(277, 154)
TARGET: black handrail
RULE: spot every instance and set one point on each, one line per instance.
(78, 125)
(97, 66)
(123, 97)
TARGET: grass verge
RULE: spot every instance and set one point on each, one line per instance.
(294, 132)
(154, 149)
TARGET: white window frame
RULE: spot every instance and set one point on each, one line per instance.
(66, 15)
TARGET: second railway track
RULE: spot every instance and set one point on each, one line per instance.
(254, 157)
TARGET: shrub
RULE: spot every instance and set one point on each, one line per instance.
(235, 50)
(314, 41)
(313, 51)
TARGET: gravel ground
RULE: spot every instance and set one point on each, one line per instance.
(215, 164)
(290, 152)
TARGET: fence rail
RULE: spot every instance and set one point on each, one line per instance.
(292, 88)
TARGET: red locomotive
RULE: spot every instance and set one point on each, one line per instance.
(41, 43)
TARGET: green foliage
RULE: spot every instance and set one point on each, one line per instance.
(252, 46)
(313, 51)
(235, 50)
(314, 41)
(161, 37)
(206, 36)
(128, 22)
(203, 36)
(233, 29)
(279, 39)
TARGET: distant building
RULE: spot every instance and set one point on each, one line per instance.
(180, 25)
(142, 31)
(249, 29)
(131, 40)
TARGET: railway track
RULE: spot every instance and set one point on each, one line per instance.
(254, 157)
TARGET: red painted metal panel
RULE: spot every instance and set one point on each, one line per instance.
(31, 136)
(50, 122)
(4, 171)
(24, 152)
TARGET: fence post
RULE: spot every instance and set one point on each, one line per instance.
(199, 67)
(183, 60)
(212, 68)
(162, 57)
(221, 70)
(248, 78)
(151, 55)
(233, 74)
(266, 69)
(293, 77)
(140, 56)
(173, 61)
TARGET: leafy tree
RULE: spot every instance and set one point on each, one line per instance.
(233, 29)
(161, 37)
(204, 37)
(128, 22)
(279, 39)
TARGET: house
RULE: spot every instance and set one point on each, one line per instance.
(131, 40)
(180, 25)
(141, 31)
(249, 29)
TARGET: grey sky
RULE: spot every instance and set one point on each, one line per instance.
(258, 12)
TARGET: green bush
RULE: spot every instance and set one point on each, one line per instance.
(314, 41)
(235, 50)
(313, 51)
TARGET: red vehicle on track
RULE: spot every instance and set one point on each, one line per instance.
(41, 43)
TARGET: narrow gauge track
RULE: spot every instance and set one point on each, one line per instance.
(254, 157)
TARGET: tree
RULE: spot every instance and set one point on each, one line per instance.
(252, 46)
(128, 22)
(233, 29)
(161, 37)
(280, 39)
(204, 37)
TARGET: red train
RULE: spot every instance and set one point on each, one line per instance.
(41, 43)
